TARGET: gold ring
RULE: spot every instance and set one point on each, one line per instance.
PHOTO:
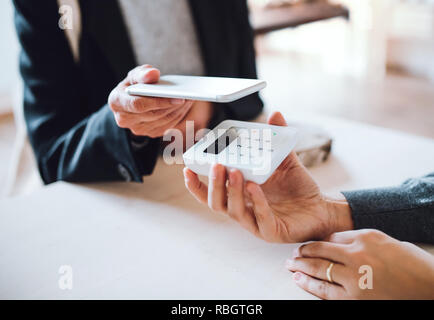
(329, 272)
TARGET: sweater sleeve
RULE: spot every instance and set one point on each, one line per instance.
(405, 212)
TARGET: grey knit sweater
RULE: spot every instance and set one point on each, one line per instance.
(163, 34)
(405, 212)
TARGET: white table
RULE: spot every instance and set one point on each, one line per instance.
(154, 241)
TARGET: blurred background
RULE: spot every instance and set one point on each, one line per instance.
(375, 67)
(365, 60)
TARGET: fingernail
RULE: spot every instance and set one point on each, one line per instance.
(177, 102)
(148, 77)
(249, 188)
(185, 174)
(232, 178)
(296, 252)
(288, 264)
(213, 172)
(297, 276)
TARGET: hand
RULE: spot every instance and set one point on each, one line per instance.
(200, 113)
(146, 116)
(289, 207)
(400, 270)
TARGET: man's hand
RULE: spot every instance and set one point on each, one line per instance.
(200, 113)
(395, 269)
(146, 116)
(289, 207)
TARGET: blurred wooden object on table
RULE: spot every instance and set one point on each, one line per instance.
(277, 15)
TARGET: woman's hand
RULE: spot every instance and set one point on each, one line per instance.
(400, 270)
(146, 116)
(289, 207)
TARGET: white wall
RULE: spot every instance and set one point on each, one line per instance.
(411, 39)
(9, 49)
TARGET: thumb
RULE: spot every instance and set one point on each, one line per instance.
(143, 74)
(277, 119)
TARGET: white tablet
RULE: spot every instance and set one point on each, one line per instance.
(212, 89)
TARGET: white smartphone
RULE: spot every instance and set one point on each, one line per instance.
(212, 89)
(256, 149)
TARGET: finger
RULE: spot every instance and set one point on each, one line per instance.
(123, 102)
(192, 117)
(277, 119)
(148, 75)
(143, 74)
(174, 121)
(325, 250)
(217, 188)
(196, 187)
(236, 203)
(139, 104)
(155, 129)
(321, 289)
(317, 268)
(291, 162)
(159, 127)
(119, 100)
(127, 119)
(345, 237)
(262, 211)
(155, 115)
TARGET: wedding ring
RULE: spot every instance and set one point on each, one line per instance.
(329, 272)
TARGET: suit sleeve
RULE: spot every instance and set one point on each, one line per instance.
(405, 212)
(69, 142)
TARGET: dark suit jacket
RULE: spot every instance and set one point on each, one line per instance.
(71, 128)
